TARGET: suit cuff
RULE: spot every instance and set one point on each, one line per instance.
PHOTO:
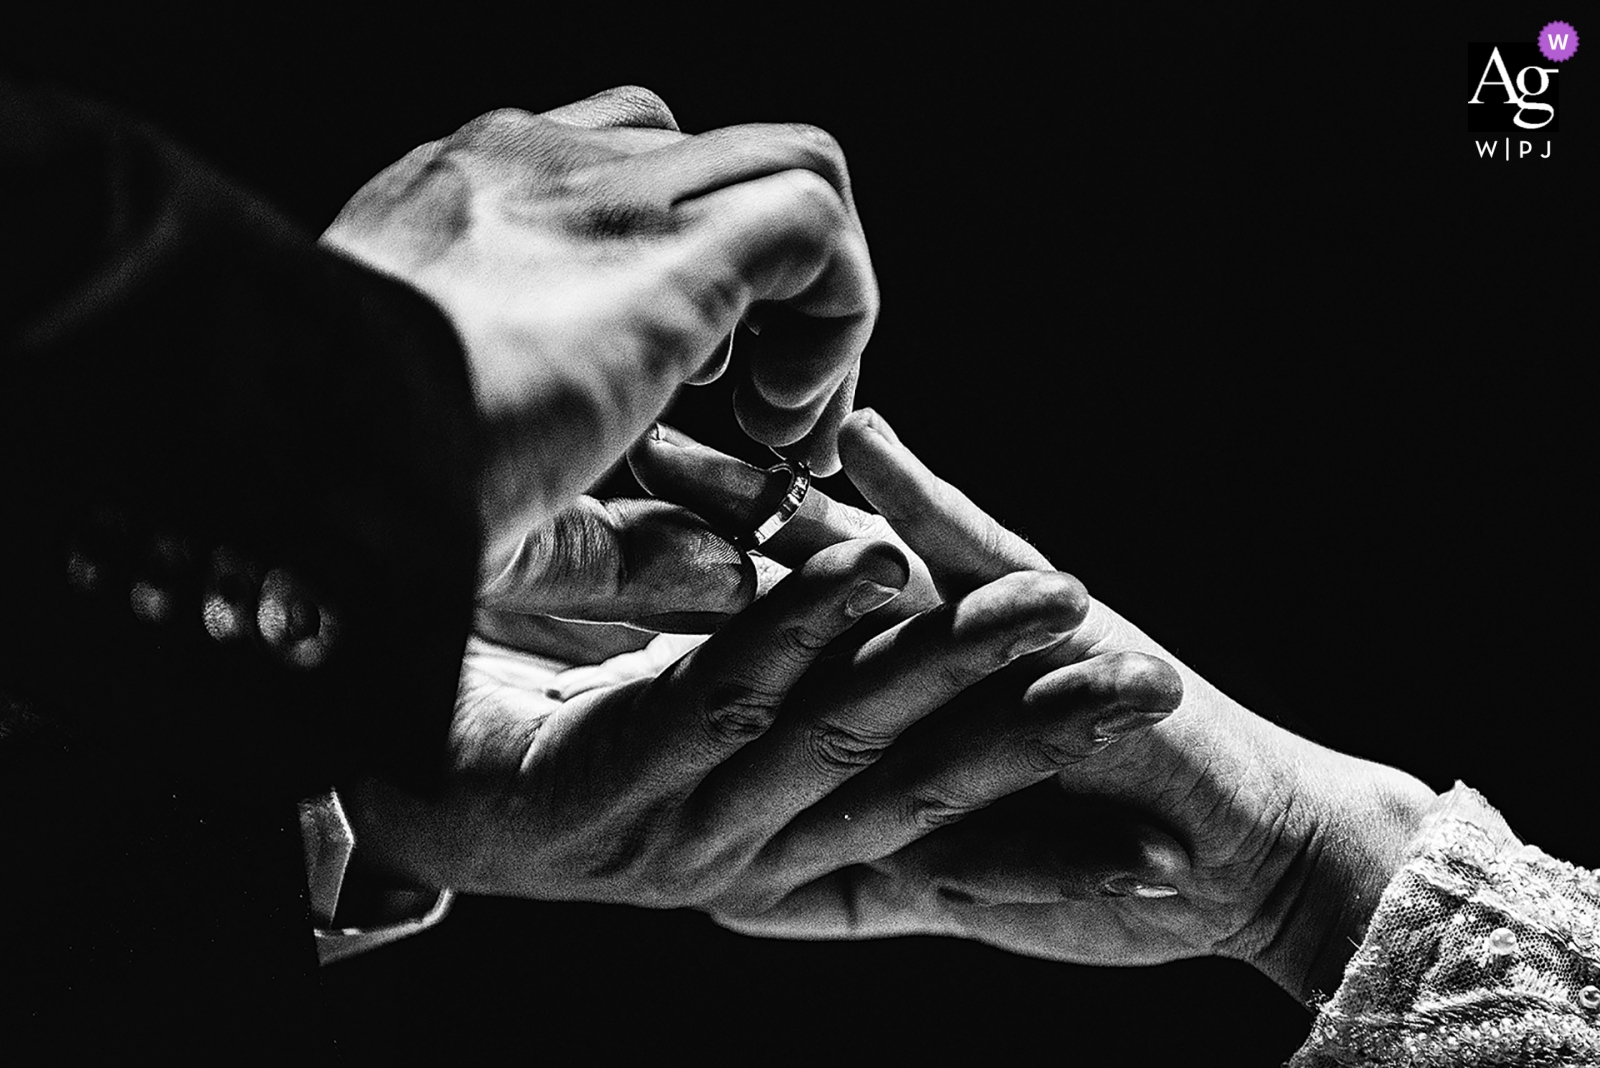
(329, 841)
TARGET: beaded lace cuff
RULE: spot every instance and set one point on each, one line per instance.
(1482, 951)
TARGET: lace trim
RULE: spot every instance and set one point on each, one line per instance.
(1482, 951)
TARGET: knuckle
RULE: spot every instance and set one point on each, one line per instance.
(931, 807)
(822, 146)
(495, 127)
(1044, 754)
(798, 644)
(838, 749)
(637, 106)
(813, 204)
(737, 712)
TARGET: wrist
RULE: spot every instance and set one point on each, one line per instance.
(1367, 815)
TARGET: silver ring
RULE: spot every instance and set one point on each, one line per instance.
(793, 498)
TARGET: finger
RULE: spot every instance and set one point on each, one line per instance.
(966, 761)
(730, 494)
(854, 902)
(978, 878)
(962, 544)
(648, 662)
(728, 691)
(735, 497)
(625, 105)
(716, 364)
(646, 562)
(842, 720)
(788, 365)
(788, 239)
(787, 385)
(559, 639)
(820, 448)
(1042, 846)
(720, 158)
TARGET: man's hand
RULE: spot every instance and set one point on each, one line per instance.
(594, 258)
(1272, 849)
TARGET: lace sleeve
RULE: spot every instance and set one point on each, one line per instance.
(1482, 951)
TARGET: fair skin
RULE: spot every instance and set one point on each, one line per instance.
(677, 790)
(594, 258)
(1257, 844)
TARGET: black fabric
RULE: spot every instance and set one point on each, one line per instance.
(193, 393)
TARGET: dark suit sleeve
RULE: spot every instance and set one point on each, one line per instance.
(239, 529)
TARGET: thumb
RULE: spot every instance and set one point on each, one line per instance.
(648, 563)
(1042, 846)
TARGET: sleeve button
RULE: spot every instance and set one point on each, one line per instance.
(84, 573)
(150, 603)
(229, 606)
(294, 625)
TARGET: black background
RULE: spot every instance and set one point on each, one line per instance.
(1220, 309)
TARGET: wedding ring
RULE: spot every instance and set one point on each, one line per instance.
(799, 484)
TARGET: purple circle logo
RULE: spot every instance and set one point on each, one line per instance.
(1558, 41)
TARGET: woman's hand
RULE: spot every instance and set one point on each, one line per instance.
(686, 789)
(1270, 848)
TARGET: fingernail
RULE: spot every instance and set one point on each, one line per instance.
(868, 595)
(666, 435)
(880, 426)
(1125, 886)
(1124, 720)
